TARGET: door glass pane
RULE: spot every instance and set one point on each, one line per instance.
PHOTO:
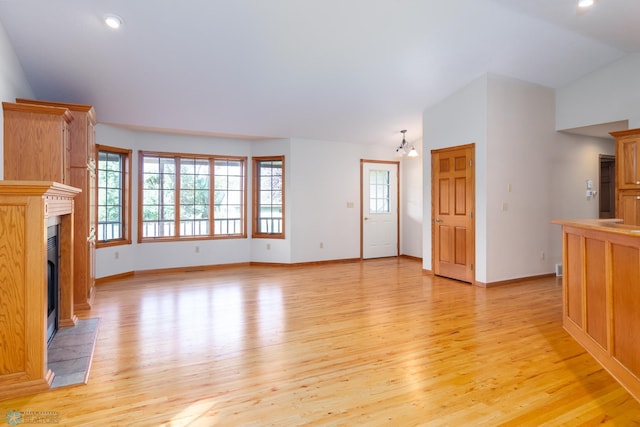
(379, 181)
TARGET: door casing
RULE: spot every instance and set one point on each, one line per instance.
(454, 228)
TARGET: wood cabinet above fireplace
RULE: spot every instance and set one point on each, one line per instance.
(36, 142)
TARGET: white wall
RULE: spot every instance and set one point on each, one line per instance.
(527, 174)
(458, 120)
(606, 95)
(151, 256)
(411, 203)
(573, 160)
(521, 123)
(325, 178)
(13, 82)
(321, 178)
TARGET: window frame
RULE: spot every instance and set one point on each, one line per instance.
(255, 198)
(211, 158)
(125, 196)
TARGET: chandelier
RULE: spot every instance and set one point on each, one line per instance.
(404, 148)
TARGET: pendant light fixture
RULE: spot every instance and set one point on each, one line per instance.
(404, 148)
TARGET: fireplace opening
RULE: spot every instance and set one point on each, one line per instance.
(52, 281)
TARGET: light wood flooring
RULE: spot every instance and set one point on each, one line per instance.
(354, 344)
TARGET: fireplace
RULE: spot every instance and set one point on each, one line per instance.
(53, 275)
(30, 263)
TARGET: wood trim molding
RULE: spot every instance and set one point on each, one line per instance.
(308, 263)
(108, 279)
(511, 281)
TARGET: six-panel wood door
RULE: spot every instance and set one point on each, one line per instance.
(453, 202)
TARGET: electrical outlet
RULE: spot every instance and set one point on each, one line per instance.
(116, 255)
(197, 249)
(268, 246)
(321, 245)
(542, 255)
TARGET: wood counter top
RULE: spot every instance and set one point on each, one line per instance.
(608, 225)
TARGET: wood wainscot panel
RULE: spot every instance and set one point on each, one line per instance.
(626, 303)
(12, 291)
(573, 274)
(595, 290)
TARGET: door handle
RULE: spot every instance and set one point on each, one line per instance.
(366, 218)
(437, 220)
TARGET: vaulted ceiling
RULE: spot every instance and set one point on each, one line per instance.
(341, 70)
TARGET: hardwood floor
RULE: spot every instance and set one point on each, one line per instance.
(371, 343)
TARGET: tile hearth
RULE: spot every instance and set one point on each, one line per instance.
(70, 352)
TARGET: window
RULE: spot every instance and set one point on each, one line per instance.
(188, 196)
(379, 182)
(229, 196)
(194, 197)
(268, 197)
(114, 196)
(158, 196)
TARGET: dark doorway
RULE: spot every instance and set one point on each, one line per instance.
(607, 186)
(52, 281)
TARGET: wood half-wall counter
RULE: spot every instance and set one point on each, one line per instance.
(601, 294)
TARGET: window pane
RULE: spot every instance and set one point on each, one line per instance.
(379, 181)
(229, 184)
(195, 178)
(194, 196)
(234, 197)
(158, 195)
(269, 183)
(110, 183)
(265, 198)
(234, 183)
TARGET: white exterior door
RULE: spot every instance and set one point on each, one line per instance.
(379, 209)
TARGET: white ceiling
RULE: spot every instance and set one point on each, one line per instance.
(340, 70)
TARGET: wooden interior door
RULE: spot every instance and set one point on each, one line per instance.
(452, 211)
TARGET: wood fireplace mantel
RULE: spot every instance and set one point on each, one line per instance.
(26, 210)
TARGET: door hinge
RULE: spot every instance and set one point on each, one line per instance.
(470, 163)
(471, 266)
(471, 214)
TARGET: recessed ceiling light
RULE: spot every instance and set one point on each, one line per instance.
(585, 3)
(113, 21)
